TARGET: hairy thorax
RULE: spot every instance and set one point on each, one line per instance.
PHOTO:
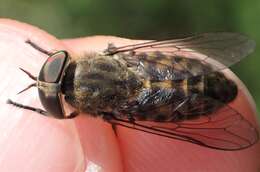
(98, 83)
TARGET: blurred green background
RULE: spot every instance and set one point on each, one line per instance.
(146, 19)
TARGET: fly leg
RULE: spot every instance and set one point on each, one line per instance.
(131, 119)
(72, 115)
(177, 113)
(112, 49)
(174, 113)
(107, 117)
(110, 116)
(38, 110)
(37, 47)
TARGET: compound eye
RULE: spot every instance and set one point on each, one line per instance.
(52, 104)
(53, 67)
(48, 88)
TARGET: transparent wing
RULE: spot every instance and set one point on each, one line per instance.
(219, 50)
(224, 129)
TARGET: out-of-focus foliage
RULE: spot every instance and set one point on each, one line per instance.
(146, 19)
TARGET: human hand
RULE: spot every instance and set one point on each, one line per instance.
(31, 142)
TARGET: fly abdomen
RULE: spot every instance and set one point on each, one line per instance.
(209, 83)
(219, 87)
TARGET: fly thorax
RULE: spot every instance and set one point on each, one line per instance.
(101, 83)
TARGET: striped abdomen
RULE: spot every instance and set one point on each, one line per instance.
(178, 89)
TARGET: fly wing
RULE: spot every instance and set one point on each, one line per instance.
(218, 50)
(224, 129)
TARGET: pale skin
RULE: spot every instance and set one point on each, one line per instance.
(31, 142)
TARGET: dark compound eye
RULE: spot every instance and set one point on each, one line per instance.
(51, 102)
(53, 67)
(49, 80)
